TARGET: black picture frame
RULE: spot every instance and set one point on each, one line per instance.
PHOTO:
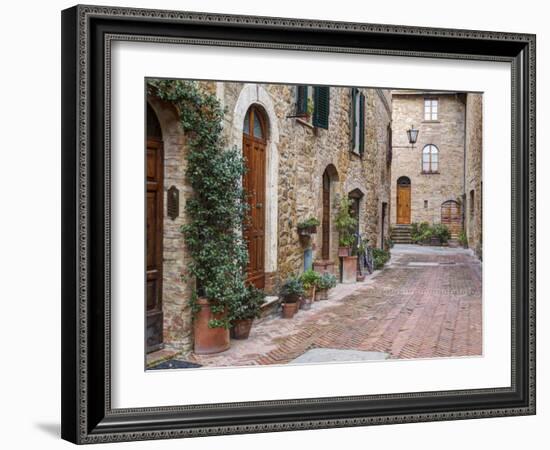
(87, 416)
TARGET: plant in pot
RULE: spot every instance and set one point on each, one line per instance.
(245, 311)
(309, 281)
(380, 258)
(309, 226)
(291, 291)
(345, 224)
(440, 234)
(323, 285)
(463, 239)
(216, 211)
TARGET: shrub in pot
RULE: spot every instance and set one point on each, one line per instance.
(380, 257)
(309, 226)
(441, 233)
(245, 311)
(463, 239)
(291, 291)
(309, 281)
(346, 225)
(325, 282)
(215, 212)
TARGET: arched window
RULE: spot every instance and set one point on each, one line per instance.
(430, 159)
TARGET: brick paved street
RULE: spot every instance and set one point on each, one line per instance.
(425, 303)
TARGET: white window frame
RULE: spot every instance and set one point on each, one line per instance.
(431, 109)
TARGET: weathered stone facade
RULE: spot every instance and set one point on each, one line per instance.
(297, 156)
(428, 190)
(456, 133)
(474, 170)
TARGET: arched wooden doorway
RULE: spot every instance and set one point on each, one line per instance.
(254, 152)
(403, 200)
(155, 217)
(451, 217)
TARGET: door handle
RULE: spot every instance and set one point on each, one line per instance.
(259, 205)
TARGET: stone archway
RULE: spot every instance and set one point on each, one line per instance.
(250, 95)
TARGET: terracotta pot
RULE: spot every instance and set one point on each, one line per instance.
(209, 340)
(312, 229)
(344, 251)
(360, 277)
(321, 294)
(289, 309)
(241, 328)
(349, 269)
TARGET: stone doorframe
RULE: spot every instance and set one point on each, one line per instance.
(254, 94)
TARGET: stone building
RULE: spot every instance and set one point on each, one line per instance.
(306, 147)
(431, 179)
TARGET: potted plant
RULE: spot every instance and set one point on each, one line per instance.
(380, 258)
(291, 291)
(324, 283)
(440, 234)
(345, 224)
(244, 312)
(309, 281)
(463, 239)
(309, 226)
(215, 213)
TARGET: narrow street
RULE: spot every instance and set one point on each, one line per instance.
(425, 303)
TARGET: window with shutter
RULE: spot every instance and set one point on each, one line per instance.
(361, 124)
(301, 100)
(357, 122)
(321, 108)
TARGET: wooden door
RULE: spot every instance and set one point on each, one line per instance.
(325, 225)
(254, 151)
(155, 168)
(403, 204)
(451, 217)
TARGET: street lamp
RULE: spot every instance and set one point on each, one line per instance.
(412, 134)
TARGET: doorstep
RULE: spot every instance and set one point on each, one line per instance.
(165, 354)
(270, 307)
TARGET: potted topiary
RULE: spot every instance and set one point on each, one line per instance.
(244, 312)
(215, 213)
(291, 291)
(309, 281)
(324, 284)
(345, 224)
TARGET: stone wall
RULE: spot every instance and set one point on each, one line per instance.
(297, 156)
(473, 191)
(428, 191)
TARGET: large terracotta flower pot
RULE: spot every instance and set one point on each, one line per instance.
(209, 340)
(241, 328)
(349, 269)
(344, 251)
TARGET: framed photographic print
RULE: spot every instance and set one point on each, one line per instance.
(280, 224)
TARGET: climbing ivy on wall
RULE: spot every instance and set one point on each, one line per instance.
(216, 210)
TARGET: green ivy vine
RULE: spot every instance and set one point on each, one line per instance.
(217, 208)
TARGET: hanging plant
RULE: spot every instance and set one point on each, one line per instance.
(217, 208)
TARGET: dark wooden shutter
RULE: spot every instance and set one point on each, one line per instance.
(321, 100)
(352, 119)
(361, 124)
(301, 99)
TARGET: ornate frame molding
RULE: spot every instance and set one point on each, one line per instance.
(87, 416)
